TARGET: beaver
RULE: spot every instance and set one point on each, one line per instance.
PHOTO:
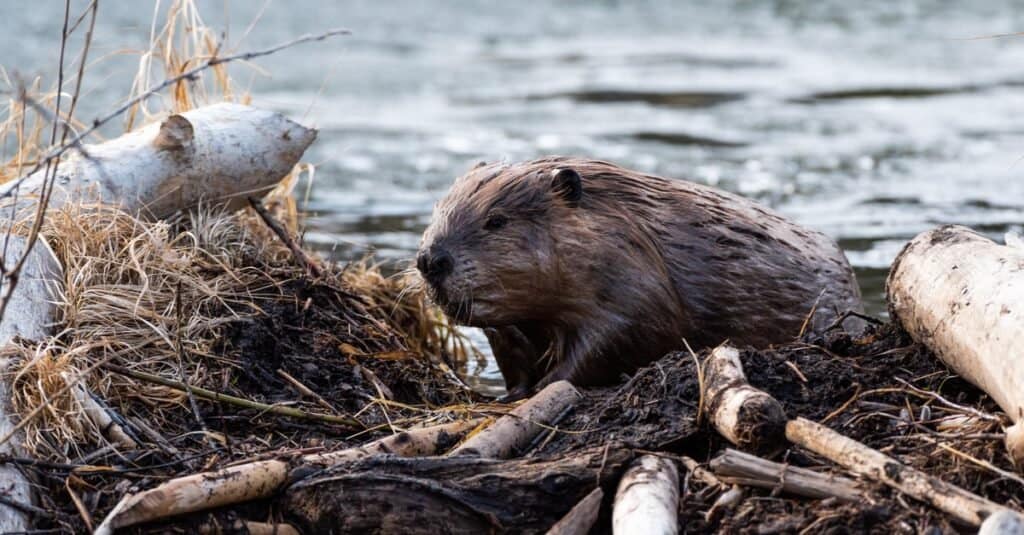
(582, 270)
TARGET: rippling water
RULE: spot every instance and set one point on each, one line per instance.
(870, 121)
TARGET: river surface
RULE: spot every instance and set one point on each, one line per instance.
(870, 121)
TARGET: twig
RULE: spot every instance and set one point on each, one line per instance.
(300, 256)
(179, 353)
(306, 391)
(240, 402)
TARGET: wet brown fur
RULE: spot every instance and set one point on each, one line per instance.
(587, 290)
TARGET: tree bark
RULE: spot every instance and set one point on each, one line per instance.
(581, 518)
(744, 469)
(465, 494)
(962, 295)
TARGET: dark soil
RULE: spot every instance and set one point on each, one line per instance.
(878, 388)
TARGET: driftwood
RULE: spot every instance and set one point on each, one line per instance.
(260, 479)
(962, 295)
(647, 500)
(580, 518)
(514, 431)
(741, 468)
(464, 494)
(962, 505)
(747, 417)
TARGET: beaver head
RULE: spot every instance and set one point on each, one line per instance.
(492, 253)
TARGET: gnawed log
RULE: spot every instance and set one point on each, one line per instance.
(744, 469)
(647, 500)
(515, 430)
(260, 479)
(962, 295)
(580, 518)
(197, 492)
(218, 155)
(747, 417)
(962, 505)
(464, 494)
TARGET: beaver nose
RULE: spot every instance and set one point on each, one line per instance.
(435, 264)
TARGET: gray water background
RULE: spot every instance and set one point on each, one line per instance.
(870, 121)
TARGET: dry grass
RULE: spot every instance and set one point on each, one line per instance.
(160, 296)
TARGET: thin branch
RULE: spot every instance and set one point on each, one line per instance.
(240, 402)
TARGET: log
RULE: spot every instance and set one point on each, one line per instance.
(31, 311)
(1002, 523)
(261, 479)
(581, 518)
(647, 500)
(412, 443)
(197, 492)
(962, 295)
(744, 469)
(962, 505)
(747, 417)
(464, 494)
(218, 154)
(514, 431)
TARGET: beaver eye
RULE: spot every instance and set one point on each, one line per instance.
(495, 222)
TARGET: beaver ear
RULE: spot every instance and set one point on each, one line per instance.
(568, 184)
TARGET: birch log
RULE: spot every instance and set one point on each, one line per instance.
(218, 154)
(647, 501)
(747, 417)
(961, 504)
(514, 431)
(962, 295)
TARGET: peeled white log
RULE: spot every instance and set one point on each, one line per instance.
(647, 501)
(1002, 523)
(217, 154)
(30, 314)
(747, 417)
(260, 479)
(515, 430)
(962, 295)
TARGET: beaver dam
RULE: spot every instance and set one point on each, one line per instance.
(175, 361)
(255, 402)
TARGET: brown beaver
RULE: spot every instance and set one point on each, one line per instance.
(582, 270)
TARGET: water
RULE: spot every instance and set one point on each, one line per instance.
(871, 121)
